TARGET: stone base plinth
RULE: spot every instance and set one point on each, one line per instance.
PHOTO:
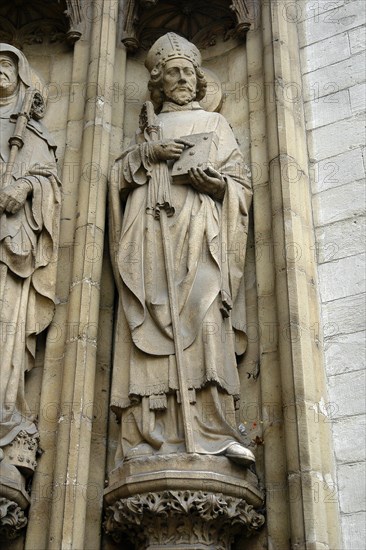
(182, 502)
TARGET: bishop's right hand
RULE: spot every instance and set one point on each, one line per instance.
(169, 149)
(13, 196)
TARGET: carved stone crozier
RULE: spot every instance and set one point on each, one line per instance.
(179, 204)
(29, 225)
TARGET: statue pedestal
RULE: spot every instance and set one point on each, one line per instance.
(182, 501)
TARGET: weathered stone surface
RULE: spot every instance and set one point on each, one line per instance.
(331, 172)
(358, 97)
(61, 73)
(337, 137)
(354, 529)
(333, 21)
(350, 438)
(347, 393)
(344, 316)
(312, 10)
(333, 49)
(171, 472)
(57, 122)
(345, 352)
(327, 109)
(340, 203)
(341, 239)
(333, 78)
(352, 487)
(357, 39)
(342, 278)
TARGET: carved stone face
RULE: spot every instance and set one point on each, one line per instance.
(179, 81)
(8, 75)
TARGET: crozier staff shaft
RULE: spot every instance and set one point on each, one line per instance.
(16, 141)
(152, 133)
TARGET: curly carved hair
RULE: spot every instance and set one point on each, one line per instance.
(155, 85)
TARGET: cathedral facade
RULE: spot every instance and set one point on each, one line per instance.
(182, 267)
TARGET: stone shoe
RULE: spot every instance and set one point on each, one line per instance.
(240, 454)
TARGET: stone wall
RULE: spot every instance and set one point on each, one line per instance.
(332, 48)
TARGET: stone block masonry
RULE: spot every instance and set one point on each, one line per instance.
(332, 46)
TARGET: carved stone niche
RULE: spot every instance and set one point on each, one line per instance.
(200, 21)
(41, 21)
(182, 502)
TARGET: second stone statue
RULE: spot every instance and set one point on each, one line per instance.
(30, 204)
(178, 253)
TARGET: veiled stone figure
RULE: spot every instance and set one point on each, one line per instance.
(208, 223)
(29, 227)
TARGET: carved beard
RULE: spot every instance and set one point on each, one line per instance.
(180, 96)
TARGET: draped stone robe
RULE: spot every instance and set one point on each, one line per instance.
(208, 242)
(28, 254)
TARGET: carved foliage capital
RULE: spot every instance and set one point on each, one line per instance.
(182, 517)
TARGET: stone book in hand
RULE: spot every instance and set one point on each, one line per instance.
(201, 155)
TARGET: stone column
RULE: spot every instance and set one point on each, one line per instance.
(259, 56)
(68, 514)
(54, 414)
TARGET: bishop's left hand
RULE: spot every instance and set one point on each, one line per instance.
(208, 181)
(13, 196)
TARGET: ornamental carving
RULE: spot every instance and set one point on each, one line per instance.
(182, 517)
(201, 21)
(76, 17)
(22, 451)
(12, 519)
